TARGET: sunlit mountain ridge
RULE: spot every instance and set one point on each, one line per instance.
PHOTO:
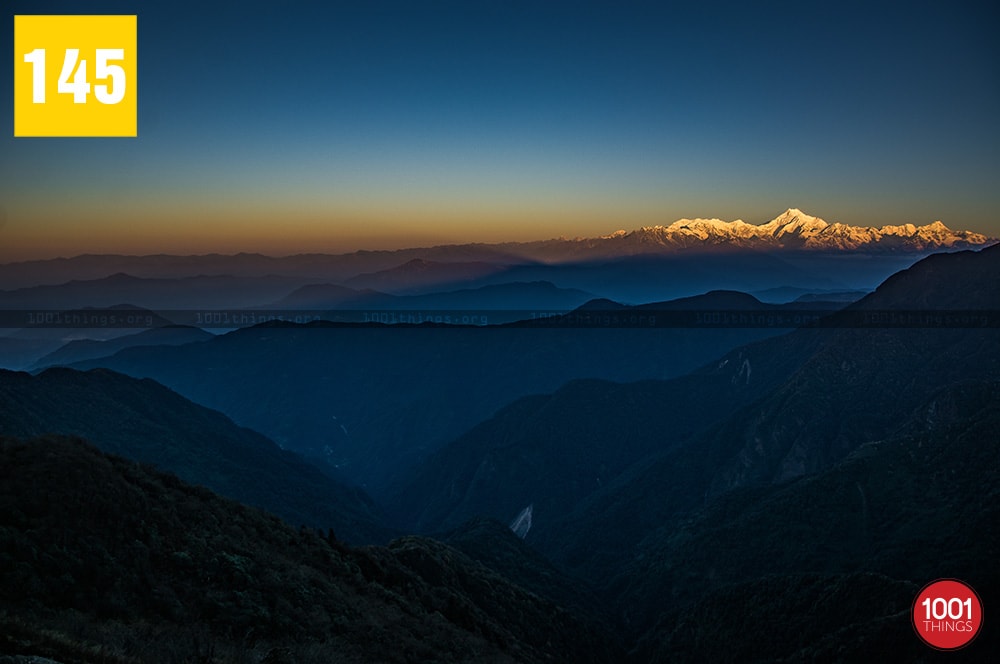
(794, 229)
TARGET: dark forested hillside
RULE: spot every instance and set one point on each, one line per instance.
(104, 560)
(145, 421)
(495, 545)
(921, 505)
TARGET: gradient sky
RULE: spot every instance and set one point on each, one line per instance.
(283, 127)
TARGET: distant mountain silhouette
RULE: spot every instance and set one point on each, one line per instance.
(147, 422)
(18, 353)
(152, 293)
(86, 349)
(39, 333)
(419, 275)
(655, 277)
(332, 296)
(498, 299)
(513, 296)
(836, 296)
(310, 268)
(634, 279)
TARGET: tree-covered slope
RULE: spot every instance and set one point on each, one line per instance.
(142, 420)
(105, 560)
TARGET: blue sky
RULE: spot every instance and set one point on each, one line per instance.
(302, 126)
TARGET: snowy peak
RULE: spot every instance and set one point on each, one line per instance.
(794, 221)
(794, 229)
(710, 225)
(794, 215)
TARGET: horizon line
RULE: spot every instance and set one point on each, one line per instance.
(616, 234)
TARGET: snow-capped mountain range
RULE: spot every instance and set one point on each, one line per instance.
(794, 229)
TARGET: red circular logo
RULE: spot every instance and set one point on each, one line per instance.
(947, 614)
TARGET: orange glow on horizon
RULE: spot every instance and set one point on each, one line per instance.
(281, 232)
(144, 223)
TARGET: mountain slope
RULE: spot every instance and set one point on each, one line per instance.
(917, 506)
(807, 459)
(87, 349)
(496, 546)
(609, 464)
(147, 422)
(371, 401)
(557, 450)
(853, 387)
(868, 380)
(105, 560)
